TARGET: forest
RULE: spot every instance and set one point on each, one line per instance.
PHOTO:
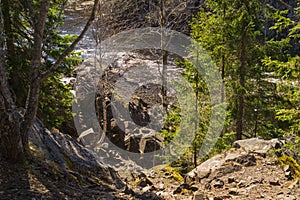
(149, 99)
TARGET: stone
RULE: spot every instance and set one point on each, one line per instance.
(144, 182)
(218, 183)
(194, 189)
(244, 159)
(161, 186)
(233, 191)
(148, 188)
(230, 180)
(218, 198)
(178, 190)
(242, 184)
(257, 145)
(200, 196)
(274, 182)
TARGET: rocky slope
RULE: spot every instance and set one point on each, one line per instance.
(250, 170)
(61, 168)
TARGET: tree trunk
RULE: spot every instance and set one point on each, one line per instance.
(10, 138)
(11, 147)
(164, 56)
(15, 128)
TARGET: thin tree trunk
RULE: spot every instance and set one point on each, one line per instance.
(15, 128)
(164, 57)
(196, 121)
(35, 84)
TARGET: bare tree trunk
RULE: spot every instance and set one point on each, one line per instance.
(196, 121)
(164, 57)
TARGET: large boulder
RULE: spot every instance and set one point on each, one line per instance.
(256, 145)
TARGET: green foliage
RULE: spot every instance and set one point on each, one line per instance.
(55, 99)
(286, 69)
(55, 102)
(295, 167)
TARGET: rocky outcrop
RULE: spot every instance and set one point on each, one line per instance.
(243, 155)
(68, 157)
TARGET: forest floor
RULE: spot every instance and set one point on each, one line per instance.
(35, 181)
(265, 180)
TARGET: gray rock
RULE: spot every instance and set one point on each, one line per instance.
(69, 155)
(200, 196)
(257, 145)
(232, 160)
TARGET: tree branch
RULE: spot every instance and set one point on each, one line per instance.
(56, 65)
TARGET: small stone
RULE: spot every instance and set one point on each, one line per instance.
(178, 190)
(288, 175)
(233, 191)
(241, 184)
(144, 182)
(218, 198)
(161, 186)
(148, 188)
(199, 196)
(287, 168)
(279, 193)
(194, 189)
(231, 180)
(218, 184)
(163, 169)
(207, 186)
(275, 183)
